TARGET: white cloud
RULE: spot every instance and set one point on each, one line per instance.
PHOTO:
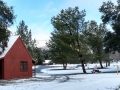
(41, 33)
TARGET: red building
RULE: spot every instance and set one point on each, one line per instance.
(15, 61)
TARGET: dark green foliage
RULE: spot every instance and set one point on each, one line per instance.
(95, 39)
(46, 54)
(25, 34)
(30, 44)
(111, 15)
(66, 43)
(6, 19)
(58, 50)
(38, 55)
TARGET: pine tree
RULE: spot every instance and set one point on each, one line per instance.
(30, 44)
(111, 15)
(95, 37)
(68, 27)
(7, 18)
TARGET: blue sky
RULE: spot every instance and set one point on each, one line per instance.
(37, 14)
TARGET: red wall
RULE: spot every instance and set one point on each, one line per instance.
(17, 53)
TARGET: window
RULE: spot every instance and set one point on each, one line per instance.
(23, 66)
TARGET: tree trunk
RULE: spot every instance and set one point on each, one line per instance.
(106, 63)
(100, 63)
(109, 63)
(64, 66)
(83, 67)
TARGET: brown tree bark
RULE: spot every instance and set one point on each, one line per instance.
(83, 67)
(109, 63)
(64, 66)
(106, 63)
(100, 63)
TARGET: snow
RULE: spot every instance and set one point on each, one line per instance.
(73, 69)
(52, 79)
(75, 82)
(11, 41)
(51, 71)
(47, 61)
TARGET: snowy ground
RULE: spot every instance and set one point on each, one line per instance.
(49, 81)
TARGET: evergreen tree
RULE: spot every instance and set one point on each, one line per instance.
(111, 15)
(95, 37)
(60, 48)
(38, 55)
(46, 54)
(24, 33)
(68, 27)
(30, 44)
(6, 19)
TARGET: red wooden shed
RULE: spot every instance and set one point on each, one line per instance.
(15, 61)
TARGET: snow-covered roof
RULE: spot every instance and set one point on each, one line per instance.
(11, 41)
